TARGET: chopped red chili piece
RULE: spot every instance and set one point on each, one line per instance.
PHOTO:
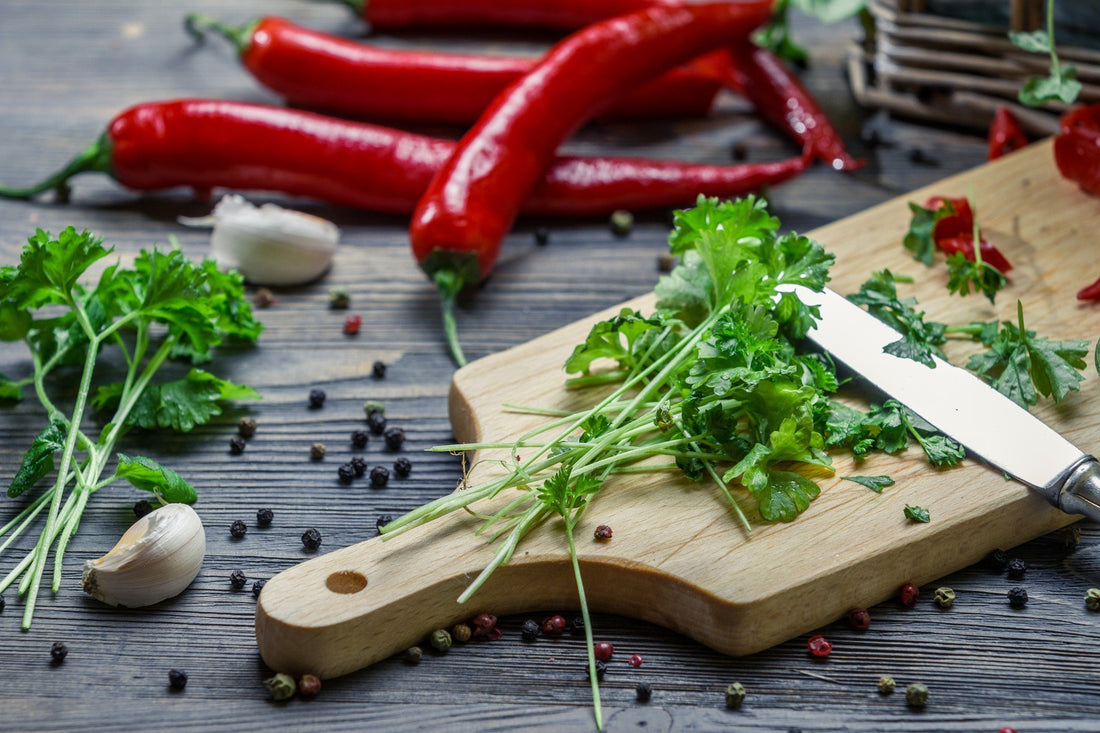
(1089, 292)
(1077, 147)
(1005, 134)
(955, 233)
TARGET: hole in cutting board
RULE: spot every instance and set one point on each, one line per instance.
(346, 581)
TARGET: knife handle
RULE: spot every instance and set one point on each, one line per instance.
(1080, 492)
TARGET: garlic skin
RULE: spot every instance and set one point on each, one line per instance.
(268, 244)
(156, 559)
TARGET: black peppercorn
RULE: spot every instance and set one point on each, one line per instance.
(542, 236)
(382, 521)
(317, 451)
(236, 445)
(918, 156)
(359, 465)
(177, 679)
(2, 603)
(238, 529)
(413, 655)
(246, 427)
(576, 626)
(378, 370)
(402, 466)
(1017, 597)
(311, 538)
(359, 439)
(141, 508)
(665, 262)
(237, 579)
(379, 475)
(257, 587)
(394, 438)
(264, 298)
(997, 561)
(643, 691)
(58, 652)
(346, 473)
(264, 517)
(601, 669)
(376, 422)
(316, 398)
(530, 630)
(1016, 568)
(739, 151)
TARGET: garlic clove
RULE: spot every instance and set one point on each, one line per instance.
(156, 559)
(268, 244)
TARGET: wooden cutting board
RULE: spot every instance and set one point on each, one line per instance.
(678, 557)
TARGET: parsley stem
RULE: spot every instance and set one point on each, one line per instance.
(533, 516)
(26, 516)
(592, 676)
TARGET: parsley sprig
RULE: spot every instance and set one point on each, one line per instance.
(1061, 84)
(164, 305)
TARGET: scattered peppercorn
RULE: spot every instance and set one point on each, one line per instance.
(643, 691)
(345, 473)
(909, 594)
(484, 624)
(916, 695)
(1016, 569)
(264, 517)
(376, 422)
(1092, 600)
(317, 451)
(886, 684)
(236, 445)
(2, 602)
(264, 298)
(379, 476)
(382, 521)
(339, 298)
(665, 262)
(944, 597)
(440, 640)
(635, 660)
(1006, 729)
(622, 221)
(997, 561)
(739, 151)
(281, 687)
(311, 538)
(316, 398)
(359, 465)
(542, 236)
(576, 626)
(246, 427)
(402, 467)
(257, 587)
(859, 618)
(1071, 538)
(461, 633)
(359, 439)
(602, 533)
(141, 508)
(735, 695)
(177, 679)
(394, 438)
(604, 650)
(1017, 597)
(553, 625)
(352, 324)
(530, 630)
(601, 670)
(58, 652)
(370, 407)
(918, 156)
(309, 685)
(819, 646)
(238, 529)
(413, 655)
(237, 579)
(378, 370)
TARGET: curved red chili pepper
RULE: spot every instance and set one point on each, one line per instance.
(1077, 147)
(964, 244)
(320, 71)
(1005, 134)
(208, 144)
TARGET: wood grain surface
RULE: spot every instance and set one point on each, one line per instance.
(70, 66)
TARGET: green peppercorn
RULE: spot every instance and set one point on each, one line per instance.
(622, 221)
(944, 597)
(413, 655)
(735, 695)
(886, 684)
(339, 298)
(1071, 538)
(317, 451)
(281, 687)
(1092, 599)
(916, 695)
(440, 640)
(370, 407)
(461, 633)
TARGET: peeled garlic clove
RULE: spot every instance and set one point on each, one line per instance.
(268, 244)
(156, 559)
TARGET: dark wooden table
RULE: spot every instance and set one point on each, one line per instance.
(69, 67)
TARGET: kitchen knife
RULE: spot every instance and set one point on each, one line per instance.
(960, 405)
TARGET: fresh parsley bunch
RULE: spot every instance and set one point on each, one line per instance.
(164, 305)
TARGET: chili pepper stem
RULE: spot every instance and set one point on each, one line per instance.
(95, 158)
(450, 284)
(197, 24)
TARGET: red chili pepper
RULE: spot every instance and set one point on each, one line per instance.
(1005, 134)
(755, 73)
(208, 144)
(955, 233)
(1077, 147)
(458, 226)
(324, 72)
(1089, 292)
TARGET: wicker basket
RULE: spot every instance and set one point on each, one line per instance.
(951, 62)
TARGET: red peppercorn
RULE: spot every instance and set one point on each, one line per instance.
(485, 624)
(1006, 729)
(819, 646)
(553, 625)
(635, 660)
(909, 594)
(603, 532)
(309, 685)
(352, 324)
(604, 650)
(859, 618)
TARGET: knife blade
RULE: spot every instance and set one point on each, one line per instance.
(958, 404)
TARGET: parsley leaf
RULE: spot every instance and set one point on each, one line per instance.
(920, 239)
(49, 268)
(180, 404)
(874, 483)
(917, 514)
(920, 340)
(615, 338)
(9, 391)
(38, 460)
(981, 276)
(148, 475)
(1061, 85)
